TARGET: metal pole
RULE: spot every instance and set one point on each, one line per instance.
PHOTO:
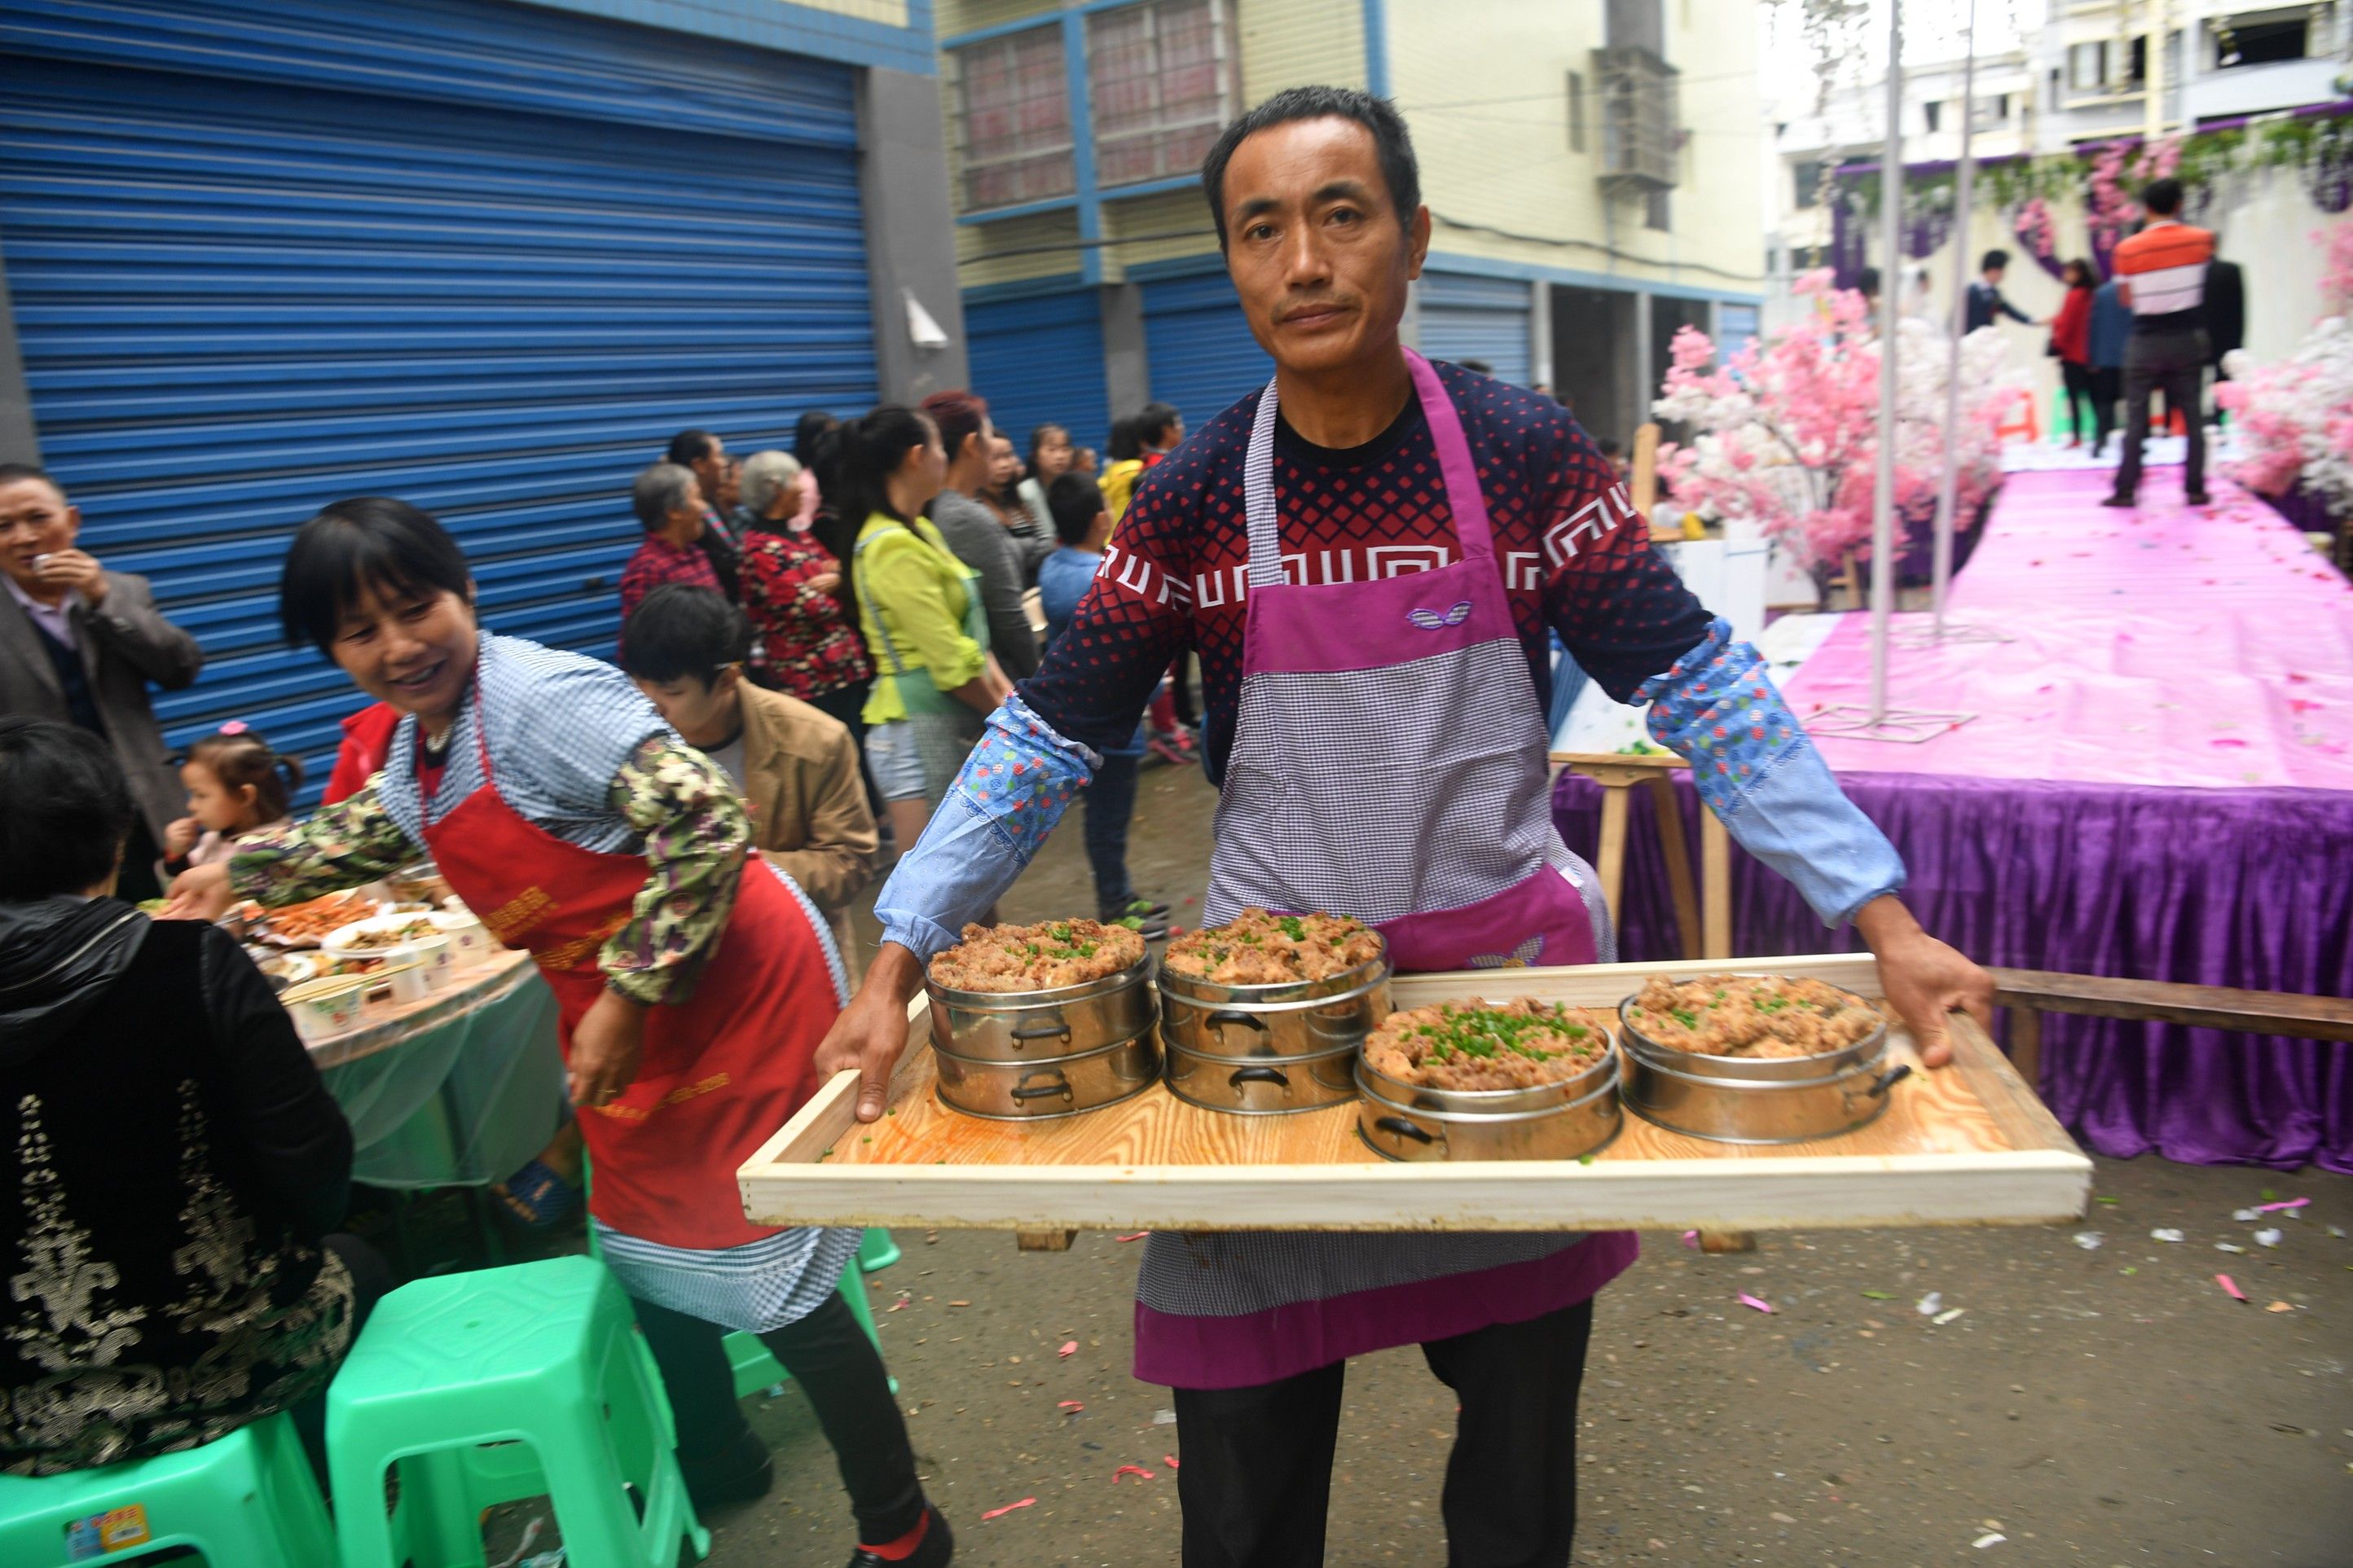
(2153, 78)
(1948, 483)
(1882, 506)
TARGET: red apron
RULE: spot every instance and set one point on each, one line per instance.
(721, 1070)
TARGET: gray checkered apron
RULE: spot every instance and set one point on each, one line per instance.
(1388, 763)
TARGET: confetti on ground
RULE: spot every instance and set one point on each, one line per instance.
(2089, 1240)
(1070, 1405)
(2282, 1204)
(1691, 1238)
(1879, 1296)
(1139, 1235)
(2164, 1234)
(1948, 1315)
(1991, 1538)
(2230, 1285)
(1130, 1471)
(1009, 1508)
(1069, 1348)
(2268, 1237)
(959, 1303)
(2229, 1246)
(1164, 1418)
(1748, 1300)
(1169, 1460)
(2279, 1307)
(1931, 1303)
(2244, 1217)
(2109, 1201)
(906, 1297)
(2337, 1231)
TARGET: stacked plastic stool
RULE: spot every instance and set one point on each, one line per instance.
(245, 1501)
(500, 1384)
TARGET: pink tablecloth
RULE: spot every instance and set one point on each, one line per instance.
(2159, 646)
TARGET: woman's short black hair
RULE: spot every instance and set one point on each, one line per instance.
(680, 630)
(352, 546)
(65, 810)
(1392, 143)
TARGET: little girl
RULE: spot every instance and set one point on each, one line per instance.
(236, 787)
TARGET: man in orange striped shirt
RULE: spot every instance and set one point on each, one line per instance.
(2163, 270)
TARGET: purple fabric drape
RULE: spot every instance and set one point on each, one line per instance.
(2214, 886)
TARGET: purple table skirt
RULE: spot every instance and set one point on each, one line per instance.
(2250, 887)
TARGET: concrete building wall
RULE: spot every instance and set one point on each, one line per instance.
(902, 180)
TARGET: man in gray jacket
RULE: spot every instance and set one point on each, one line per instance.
(80, 643)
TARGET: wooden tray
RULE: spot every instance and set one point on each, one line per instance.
(1970, 1144)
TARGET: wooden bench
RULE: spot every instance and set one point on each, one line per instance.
(2030, 993)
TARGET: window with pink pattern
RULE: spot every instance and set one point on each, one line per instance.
(1015, 116)
(1162, 78)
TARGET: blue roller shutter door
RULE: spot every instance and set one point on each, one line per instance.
(487, 258)
(1202, 357)
(1039, 361)
(1486, 319)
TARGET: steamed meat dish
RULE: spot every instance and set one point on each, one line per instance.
(1258, 949)
(1751, 1015)
(1040, 957)
(1517, 1043)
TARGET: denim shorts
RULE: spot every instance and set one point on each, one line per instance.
(897, 762)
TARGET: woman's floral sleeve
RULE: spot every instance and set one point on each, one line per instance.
(696, 837)
(353, 842)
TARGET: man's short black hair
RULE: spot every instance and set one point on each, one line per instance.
(1076, 501)
(680, 631)
(12, 473)
(1154, 421)
(65, 810)
(688, 447)
(1994, 259)
(370, 543)
(2163, 197)
(1392, 144)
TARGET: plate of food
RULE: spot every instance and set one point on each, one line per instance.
(306, 924)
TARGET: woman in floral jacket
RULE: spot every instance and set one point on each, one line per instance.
(803, 645)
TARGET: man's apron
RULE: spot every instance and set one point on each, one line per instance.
(1390, 763)
(721, 1070)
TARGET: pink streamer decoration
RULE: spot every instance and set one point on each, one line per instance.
(2282, 1204)
(1748, 1300)
(2225, 1281)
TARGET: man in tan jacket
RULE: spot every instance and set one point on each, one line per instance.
(797, 767)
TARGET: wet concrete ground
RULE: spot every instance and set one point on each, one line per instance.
(2103, 1406)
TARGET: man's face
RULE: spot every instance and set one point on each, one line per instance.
(685, 520)
(1316, 250)
(1993, 275)
(35, 520)
(703, 715)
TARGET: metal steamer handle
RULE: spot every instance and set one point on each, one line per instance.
(1042, 1031)
(1887, 1080)
(1398, 1126)
(1060, 1086)
(1225, 1015)
(1258, 1075)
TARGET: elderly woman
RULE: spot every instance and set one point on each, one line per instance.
(669, 502)
(802, 642)
(177, 1163)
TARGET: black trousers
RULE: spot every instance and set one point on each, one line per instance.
(1256, 1475)
(2081, 398)
(836, 1365)
(2175, 363)
(1180, 691)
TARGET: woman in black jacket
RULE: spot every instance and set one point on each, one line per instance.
(177, 1161)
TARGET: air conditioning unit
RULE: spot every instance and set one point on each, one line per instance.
(1641, 138)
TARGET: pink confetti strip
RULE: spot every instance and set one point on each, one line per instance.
(1009, 1508)
(1070, 1405)
(1748, 1300)
(1139, 1235)
(2282, 1204)
(1069, 1348)
(1169, 1460)
(1130, 1471)
(2225, 1281)
(1691, 1238)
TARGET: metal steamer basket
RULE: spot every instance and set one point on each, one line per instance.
(1269, 1049)
(1756, 1099)
(1028, 1056)
(1562, 1120)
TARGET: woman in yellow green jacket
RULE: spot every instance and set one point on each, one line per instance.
(920, 608)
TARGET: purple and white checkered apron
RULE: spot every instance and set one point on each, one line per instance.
(1388, 763)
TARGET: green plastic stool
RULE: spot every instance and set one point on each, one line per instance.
(544, 1361)
(246, 1501)
(877, 1252)
(756, 1366)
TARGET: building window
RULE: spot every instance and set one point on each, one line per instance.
(1808, 178)
(2088, 67)
(1164, 79)
(2260, 43)
(1657, 209)
(1016, 114)
(1577, 112)
(1935, 111)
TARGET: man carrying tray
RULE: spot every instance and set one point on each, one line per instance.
(1366, 555)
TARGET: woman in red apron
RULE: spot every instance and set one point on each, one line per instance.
(1367, 556)
(694, 982)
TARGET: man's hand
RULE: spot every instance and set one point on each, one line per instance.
(871, 1033)
(77, 570)
(606, 1046)
(1924, 978)
(199, 893)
